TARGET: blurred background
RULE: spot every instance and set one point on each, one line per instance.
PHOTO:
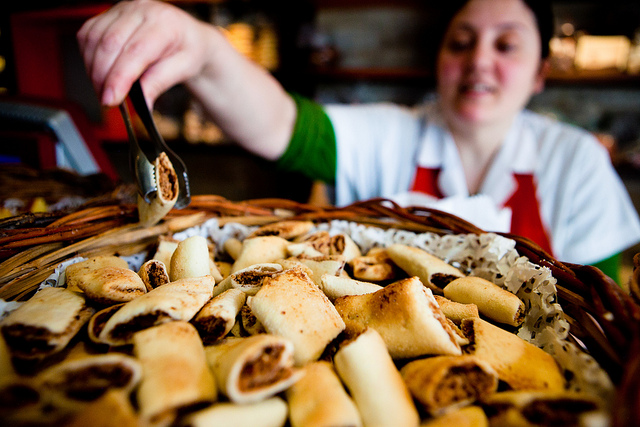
(59, 146)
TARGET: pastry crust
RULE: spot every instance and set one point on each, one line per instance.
(432, 271)
(45, 324)
(165, 198)
(455, 311)
(492, 301)
(218, 315)
(407, 317)
(366, 368)
(288, 229)
(290, 305)
(154, 273)
(267, 413)
(175, 370)
(248, 370)
(446, 383)
(249, 279)
(337, 286)
(259, 250)
(319, 399)
(179, 300)
(190, 259)
(470, 416)
(518, 363)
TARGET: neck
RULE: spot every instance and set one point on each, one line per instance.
(478, 146)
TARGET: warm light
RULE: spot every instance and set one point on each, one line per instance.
(567, 29)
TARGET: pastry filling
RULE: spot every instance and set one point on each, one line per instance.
(264, 370)
(462, 383)
(167, 178)
(92, 382)
(124, 331)
(440, 280)
(561, 412)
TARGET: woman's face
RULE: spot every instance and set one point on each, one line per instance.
(489, 64)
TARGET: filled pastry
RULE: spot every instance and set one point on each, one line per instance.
(267, 413)
(218, 315)
(166, 195)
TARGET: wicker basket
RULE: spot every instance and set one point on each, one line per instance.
(604, 320)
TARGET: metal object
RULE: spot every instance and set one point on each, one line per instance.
(139, 162)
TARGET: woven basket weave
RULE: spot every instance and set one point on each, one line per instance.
(604, 320)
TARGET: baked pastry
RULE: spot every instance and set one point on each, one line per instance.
(267, 413)
(105, 280)
(179, 300)
(492, 301)
(455, 311)
(166, 195)
(259, 250)
(248, 370)
(190, 259)
(319, 399)
(406, 316)
(175, 371)
(113, 409)
(521, 365)
(366, 368)
(290, 305)
(445, 383)
(45, 324)
(154, 273)
(432, 271)
(338, 286)
(248, 279)
(470, 416)
(218, 315)
(322, 265)
(376, 266)
(287, 229)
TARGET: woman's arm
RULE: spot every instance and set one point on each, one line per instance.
(163, 46)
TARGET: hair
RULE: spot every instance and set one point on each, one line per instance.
(541, 9)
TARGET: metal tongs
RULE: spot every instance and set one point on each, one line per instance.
(139, 163)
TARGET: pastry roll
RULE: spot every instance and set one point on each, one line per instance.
(105, 280)
(248, 279)
(470, 416)
(493, 302)
(323, 265)
(548, 408)
(218, 315)
(376, 266)
(267, 413)
(98, 320)
(287, 229)
(335, 287)
(366, 368)
(190, 259)
(456, 311)
(406, 316)
(248, 370)
(165, 198)
(113, 409)
(259, 250)
(319, 399)
(250, 323)
(164, 251)
(16, 392)
(154, 273)
(77, 381)
(179, 300)
(45, 323)
(175, 371)
(233, 247)
(432, 271)
(318, 243)
(342, 245)
(521, 365)
(445, 383)
(290, 305)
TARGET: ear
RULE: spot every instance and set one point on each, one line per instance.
(541, 76)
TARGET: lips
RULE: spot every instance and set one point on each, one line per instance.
(476, 88)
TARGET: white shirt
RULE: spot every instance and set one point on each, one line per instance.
(584, 206)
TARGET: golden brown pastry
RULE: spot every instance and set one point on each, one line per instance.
(407, 317)
(113, 409)
(322, 265)
(290, 305)
(175, 371)
(179, 300)
(456, 311)
(248, 370)
(432, 271)
(267, 413)
(164, 251)
(337, 286)
(218, 315)
(106, 280)
(154, 273)
(190, 259)
(366, 368)
(319, 399)
(249, 322)
(442, 384)
(521, 365)
(248, 279)
(260, 250)
(165, 198)
(45, 324)
(492, 301)
(376, 266)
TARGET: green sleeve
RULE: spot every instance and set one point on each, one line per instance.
(611, 267)
(312, 149)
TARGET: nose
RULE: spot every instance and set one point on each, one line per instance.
(480, 55)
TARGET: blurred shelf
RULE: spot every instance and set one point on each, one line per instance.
(608, 78)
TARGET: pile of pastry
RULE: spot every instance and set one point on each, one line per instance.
(289, 326)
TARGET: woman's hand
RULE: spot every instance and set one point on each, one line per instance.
(163, 46)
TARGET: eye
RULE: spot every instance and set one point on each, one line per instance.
(459, 43)
(507, 44)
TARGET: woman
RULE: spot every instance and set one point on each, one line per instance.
(475, 150)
